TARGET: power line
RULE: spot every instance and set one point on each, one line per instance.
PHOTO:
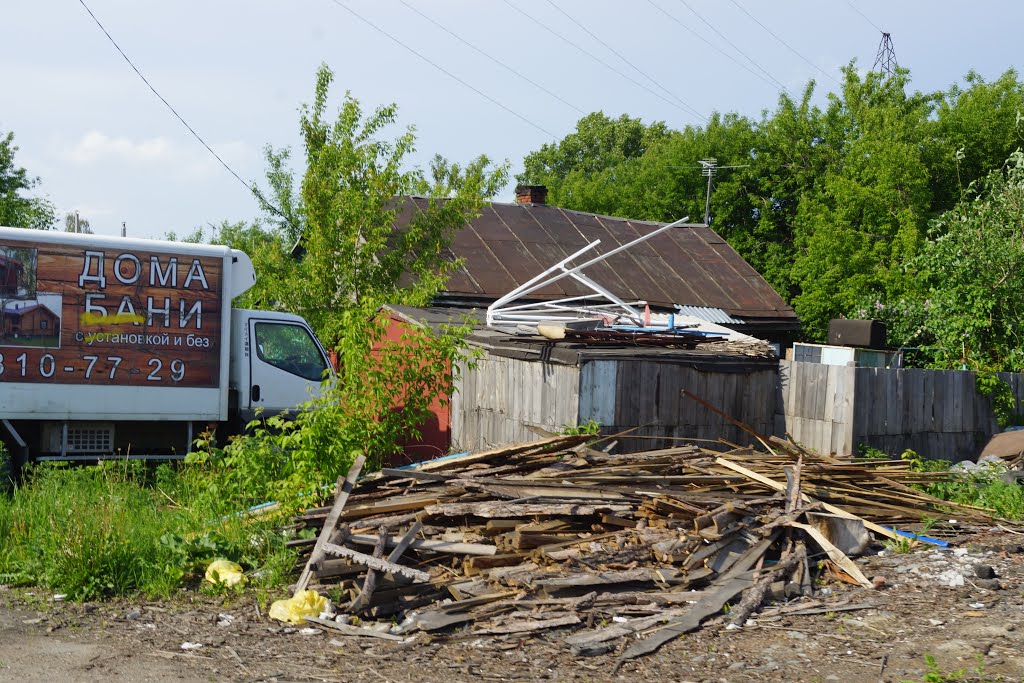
(734, 46)
(616, 53)
(776, 37)
(493, 59)
(709, 43)
(866, 18)
(682, 107)
(441, 68)
(196, 135)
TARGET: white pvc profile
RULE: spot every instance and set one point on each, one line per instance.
(559, 309)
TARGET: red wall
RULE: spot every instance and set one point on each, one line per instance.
(436, 437)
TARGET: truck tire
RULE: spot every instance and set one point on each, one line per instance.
(11, 467)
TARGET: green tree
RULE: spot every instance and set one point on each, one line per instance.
(16, 208)
(967, 305)
(870, 213)
(75, 223)
(975, 130)
(354, 261)
(585, 170)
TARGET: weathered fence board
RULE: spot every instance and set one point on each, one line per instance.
(937, 413)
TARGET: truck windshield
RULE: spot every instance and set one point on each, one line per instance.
(290, 348)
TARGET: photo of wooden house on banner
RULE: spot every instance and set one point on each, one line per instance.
(27, 317)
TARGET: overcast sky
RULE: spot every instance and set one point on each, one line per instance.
(236, 71)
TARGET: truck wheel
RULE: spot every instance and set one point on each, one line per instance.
(11, 467)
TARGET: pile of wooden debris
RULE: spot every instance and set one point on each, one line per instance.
(554, 534)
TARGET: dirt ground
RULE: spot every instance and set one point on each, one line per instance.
(934, 603)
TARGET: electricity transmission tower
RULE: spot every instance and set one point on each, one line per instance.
(885, 60)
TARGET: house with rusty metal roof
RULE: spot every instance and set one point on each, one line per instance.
(523, 381)
(689, 268)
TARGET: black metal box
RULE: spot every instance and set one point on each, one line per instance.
(868, 334)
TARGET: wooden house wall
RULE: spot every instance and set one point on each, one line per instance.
(647, 395)
(498, 398)
(30, 323)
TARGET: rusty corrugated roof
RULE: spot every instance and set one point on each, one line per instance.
(689, 265)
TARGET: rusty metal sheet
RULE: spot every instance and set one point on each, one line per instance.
(491, 228)
(523, 226)
(675, 263)
(692, 265)
(590, 229)
(487, 271)
(523, 264)
(643, 260)
(466, 239)
(560, 224)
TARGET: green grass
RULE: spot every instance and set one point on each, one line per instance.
(120, 529)
(935, 674)
(48, 342)
(984, 489)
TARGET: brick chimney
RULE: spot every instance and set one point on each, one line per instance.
(531, 194)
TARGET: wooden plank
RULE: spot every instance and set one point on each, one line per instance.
(596, 402)
(500, 509)
(526, 626)
(450, 547)
(348, 630)
(403, 544)
(415, 474)
(834, 553)
(376, 562)
(370, 580)
(343, 489)
(807, 499)
(722, 591)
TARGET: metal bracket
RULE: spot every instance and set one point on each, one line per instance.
(14, 434)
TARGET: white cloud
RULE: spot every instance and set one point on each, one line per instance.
(95, 147)
(182, 161)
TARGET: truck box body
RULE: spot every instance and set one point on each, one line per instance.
(109, 330)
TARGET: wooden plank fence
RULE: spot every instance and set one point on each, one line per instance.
(936, 413)
(500, 397)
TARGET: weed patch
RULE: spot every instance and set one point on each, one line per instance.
(120, 529)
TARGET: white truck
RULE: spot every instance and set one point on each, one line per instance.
(127, 347)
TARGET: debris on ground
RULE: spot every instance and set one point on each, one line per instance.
(611, 553)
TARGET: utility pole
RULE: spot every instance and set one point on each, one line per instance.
(885, 60)
(708, 167)
(124, 229)
(77, 228)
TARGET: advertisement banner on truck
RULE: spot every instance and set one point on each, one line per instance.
(74, 315)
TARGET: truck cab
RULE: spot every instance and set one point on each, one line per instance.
(277, 363)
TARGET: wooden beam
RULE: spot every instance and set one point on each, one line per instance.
(834, 554)
(452, 547)
(348, 630)
(342, 491)
(376, 562)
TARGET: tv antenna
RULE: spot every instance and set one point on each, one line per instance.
(709, 167)
(885, 60)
